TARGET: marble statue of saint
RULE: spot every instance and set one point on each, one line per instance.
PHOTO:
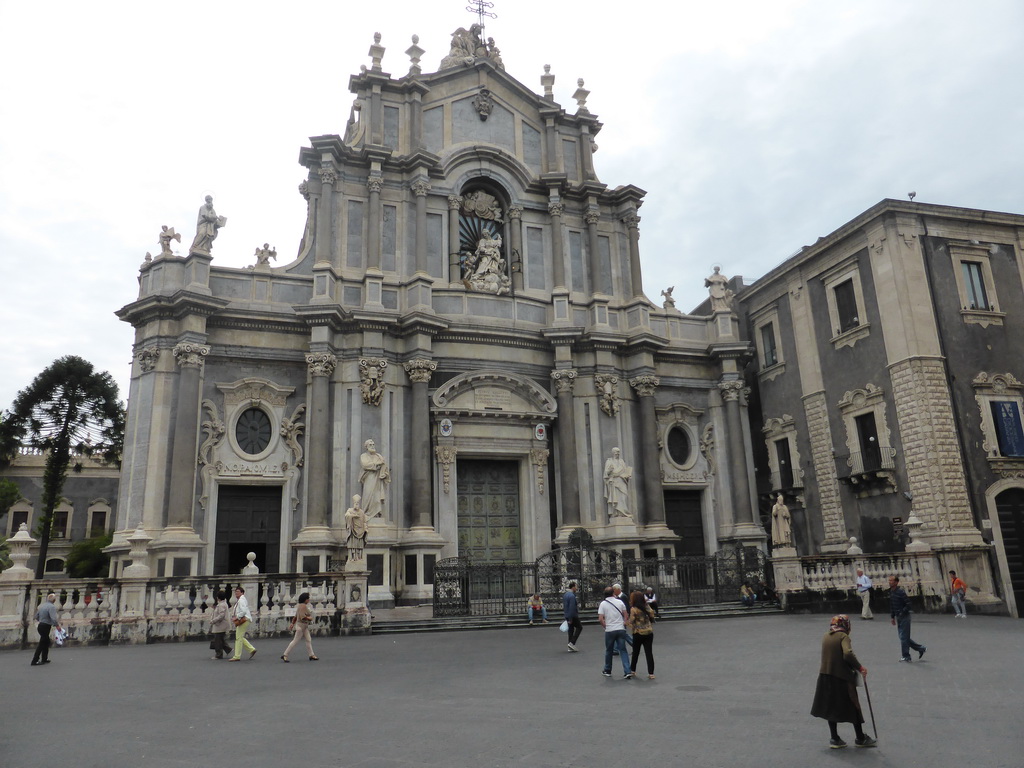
(617, 475)
(166, 235)
(355, 524)
(782, 532)
(718, 288)
(208, 224)
(485, 267)
(374, 479)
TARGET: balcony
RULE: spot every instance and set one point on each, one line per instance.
(868, 473)
(786, 481)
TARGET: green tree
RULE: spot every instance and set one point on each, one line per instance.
(9, 493)
(68, 411)
(86, 559)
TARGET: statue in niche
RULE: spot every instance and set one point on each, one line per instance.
(355, 524)
(669, 303)
(484, 269)
(208, 224)
(374, 479)
(718, 288)
(167, 234)
(617, 475)
(782, 531)
(480, 204)
(264, 255)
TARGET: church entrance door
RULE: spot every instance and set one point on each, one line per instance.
(684, 515)
(248, 520)
(488, 510)
(1010, 505)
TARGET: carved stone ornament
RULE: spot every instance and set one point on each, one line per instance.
(420, 370)
(321, 364)
(731, 390)
(148, 359)
(707, 448)
(556, 209)
(483, 205)
(515, 212)
(189, 355)
(469, 45)
(446, 457)
(454, 202)
(485, 269)
(564, 378)
(167, 234)
(327, 175)
(608, 389)
(264, 255)
(482, 103)
(304, 190)
(645, 385)
(420, 188)
(214, 429)
(291, 430)
(371, 379)
(632, 221)
(375, 184)
(591, 217)
(539, 458)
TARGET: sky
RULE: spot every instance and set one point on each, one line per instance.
(754, 127)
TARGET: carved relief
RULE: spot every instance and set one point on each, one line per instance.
(148, 359)
(515, 212)
(445, 457)
(420, 369)
(731, 390)
(539, 458)
(327, 175)
(321, 364)
(371, 379)
(454, 202)
(608, 390)
(189, 355)
(375, 184)
(420, 188)
(482, 103)
(291, 429)
(707, 449)
(556, 209)
(214, 429)
(304, 190)
(564, 378)
(645, 385)
(483, 205)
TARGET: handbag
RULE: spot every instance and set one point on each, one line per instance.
(239, 622)
(564, 626)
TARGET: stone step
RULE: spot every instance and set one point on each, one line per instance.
(382, 626)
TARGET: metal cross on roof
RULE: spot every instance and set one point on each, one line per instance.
(479, 7)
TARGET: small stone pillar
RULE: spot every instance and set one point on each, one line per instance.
(13, 583)
(131, 628)
(250, 568)
(20, 544)
(355, 613)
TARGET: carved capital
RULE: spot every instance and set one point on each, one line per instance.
(564, 378)
(645, 385)
(591, 217)
(189, 355)
(327, 175)
(420, 188)
(556, 209)
(371, 379)
(148, 359)
(731, 390)
(454, 202)
(321, 364)
(375, 184)
(420, 369)
(632, 221)
(515, 212)
(446, 457)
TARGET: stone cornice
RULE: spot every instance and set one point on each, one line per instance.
(175, 306)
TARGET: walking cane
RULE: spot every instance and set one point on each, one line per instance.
(871, 709)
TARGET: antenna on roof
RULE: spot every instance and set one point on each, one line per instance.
(479, 7)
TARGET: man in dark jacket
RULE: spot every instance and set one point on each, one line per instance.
(571, 612)
(899, 612)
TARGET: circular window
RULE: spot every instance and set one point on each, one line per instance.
(252, 431)
(679, 446)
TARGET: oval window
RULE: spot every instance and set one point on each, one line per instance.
(678, 446)
(252, 431)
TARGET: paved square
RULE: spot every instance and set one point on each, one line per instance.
(729, 693)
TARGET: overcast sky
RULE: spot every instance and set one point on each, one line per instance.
(755, 128)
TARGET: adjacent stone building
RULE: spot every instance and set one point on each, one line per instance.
(463, 341)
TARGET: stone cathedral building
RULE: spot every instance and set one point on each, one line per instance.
(462, 340)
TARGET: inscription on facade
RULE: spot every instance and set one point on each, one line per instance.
(493, 399)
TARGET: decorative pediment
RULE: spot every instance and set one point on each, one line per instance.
(861, 398)
(494, 392)
(254, 390)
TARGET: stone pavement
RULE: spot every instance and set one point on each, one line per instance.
(729, 693)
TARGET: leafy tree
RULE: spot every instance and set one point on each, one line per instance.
(86, 559)
(9, 493)
(68, 411)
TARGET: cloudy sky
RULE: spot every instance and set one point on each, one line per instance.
(755, 128)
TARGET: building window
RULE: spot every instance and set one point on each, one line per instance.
(679, 446)
(845, 298)
(782, 454)
(971, 265)
(1006, 418)
(1000, 398)
(253, 431)
(54, 565)
(766, 325)
(770, 354)
(870, 461)
(20, 513)
(783, 457)
(60, 526)
(846, 306)
(98, 518)
(974, 282)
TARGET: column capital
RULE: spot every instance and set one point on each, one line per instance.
(420, 188)
(645, 385)
(375, 183)
(564, 378)
(327, 175)
(148, 358)
(632, 221)
(321, 364)
(420, 369)
(591, 217)
(454, 202)
(556, 209)
(732, 389)
(515, 212)
(190, 355)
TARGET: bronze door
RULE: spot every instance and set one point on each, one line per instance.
(488, 512)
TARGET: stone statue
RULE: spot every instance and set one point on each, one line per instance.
(782, 532)
(463, 49)
(481, 204)
(374, 479)
(355, 524)
(485, 268)
(718, 288)
(494, 54)
(264, 255)
(208, 224)
(166, 235)
(669, 303)
(617, 475)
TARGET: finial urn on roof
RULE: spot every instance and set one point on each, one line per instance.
(547, 80)
(376, 52)
(415, 53)
(581, 96)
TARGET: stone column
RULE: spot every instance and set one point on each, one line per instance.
(557, 259)
(454, 268)
(421, 188)
(743, 512)
(591, 217)
(635, 277)
(564, 378)
(653, 497)
(318, 449)
(515, 231)
(181, 493)
(419, 371)
(374, 184)
(325, 213)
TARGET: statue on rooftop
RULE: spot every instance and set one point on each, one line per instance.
(718, 288)
(208, 224)
(166, 235)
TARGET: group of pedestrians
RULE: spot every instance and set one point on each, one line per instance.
(240, 617)
(616, 619)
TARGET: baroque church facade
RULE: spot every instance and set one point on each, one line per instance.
(462, 341)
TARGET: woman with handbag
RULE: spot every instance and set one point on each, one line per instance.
(300, 623)
(641, 621)
(219, 625)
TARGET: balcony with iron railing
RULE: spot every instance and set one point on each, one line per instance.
(868, 468)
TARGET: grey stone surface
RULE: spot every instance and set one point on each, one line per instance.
(728, 693)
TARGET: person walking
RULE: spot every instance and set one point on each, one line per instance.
(300, 623)
(219, 625)
(641, 621)
(864, 590)
(242, 617)
(571, 613)
(612, 615)
(835, 695)
(958, 591)
(46, 618)
(899, 612)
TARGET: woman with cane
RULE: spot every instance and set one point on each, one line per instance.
(835, 697)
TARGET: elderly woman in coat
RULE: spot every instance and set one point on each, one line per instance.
(835, 697)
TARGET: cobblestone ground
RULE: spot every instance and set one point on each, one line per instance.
(729, 692)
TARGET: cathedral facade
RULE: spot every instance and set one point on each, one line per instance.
(461, 353)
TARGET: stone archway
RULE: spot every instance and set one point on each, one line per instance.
(1005, 501)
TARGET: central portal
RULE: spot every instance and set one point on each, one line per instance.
(248, 520)
(488, 514)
